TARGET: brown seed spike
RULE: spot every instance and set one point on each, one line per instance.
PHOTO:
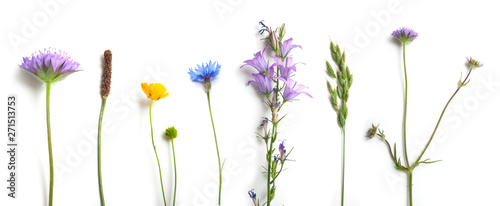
(106, 74)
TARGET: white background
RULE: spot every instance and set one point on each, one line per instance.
(157, 41)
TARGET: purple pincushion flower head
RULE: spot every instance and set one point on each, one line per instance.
(258, 62)
(205, 73)
(405, 34)
(50, 65)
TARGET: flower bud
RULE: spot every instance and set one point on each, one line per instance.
(274, 40)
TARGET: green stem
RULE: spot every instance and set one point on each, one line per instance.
(101, 190)
(406, 103)
(51, 161)
(410, 186)
(269, 161)
(216, 146)
(343, 163)
(175, 172)
(157, 160)
(439, 121)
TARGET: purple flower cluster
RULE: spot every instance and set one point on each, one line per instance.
(268, 75)
(405, 34)
(50, 65)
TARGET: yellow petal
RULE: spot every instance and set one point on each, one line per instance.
(145, 89)
(159, 91)
(164, 95)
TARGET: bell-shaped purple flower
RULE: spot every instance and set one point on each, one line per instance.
(285, 67)
(263, 82)
(258, 62)
(292, 89)
(50, 65)
(287, 46)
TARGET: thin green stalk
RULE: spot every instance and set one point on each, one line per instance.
(216, 146)
(406, 103)
(343, 164)
(51, 161)
(101, 190)
(439, 121)
(157, 160)
(269, 160)
(410, 186)
(175, 172)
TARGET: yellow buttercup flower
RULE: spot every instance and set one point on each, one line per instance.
(154, 91)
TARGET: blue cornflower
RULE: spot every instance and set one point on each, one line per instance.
(405, 34)
(264, 27)
(205, 73)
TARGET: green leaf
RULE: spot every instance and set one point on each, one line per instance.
(430, 162)
(395, 155)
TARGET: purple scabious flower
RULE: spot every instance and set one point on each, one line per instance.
(287, 46)
(50, 65)
(205, 73)
(405, 34)
(292, 89)
(263, 82)
(258, 62)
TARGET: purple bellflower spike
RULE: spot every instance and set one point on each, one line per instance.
(50, 65)
(258, 62)
(205, 73)
(405, 34)
(292, 89)
(287, 46)
(264, 82)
